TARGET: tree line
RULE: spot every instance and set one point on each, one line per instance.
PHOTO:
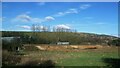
(41, 28)
(54, 37)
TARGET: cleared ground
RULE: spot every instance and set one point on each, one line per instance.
(71, 55)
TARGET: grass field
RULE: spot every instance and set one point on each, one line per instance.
(74, 57)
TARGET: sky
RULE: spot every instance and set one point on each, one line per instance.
(89, 17)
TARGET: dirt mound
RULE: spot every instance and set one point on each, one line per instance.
(67, 48)
(41, 48)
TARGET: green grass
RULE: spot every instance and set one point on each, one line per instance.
(81, 58)
(61, 58)
(86, 59)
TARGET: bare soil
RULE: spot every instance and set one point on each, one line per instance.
(71, 48)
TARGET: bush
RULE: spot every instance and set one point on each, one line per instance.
(115, 42)
(6, 45)
(11, 45)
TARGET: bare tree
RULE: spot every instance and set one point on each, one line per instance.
(38, 28)
(33, 28)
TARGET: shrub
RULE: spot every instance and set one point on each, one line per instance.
(11, 45)
(115, 42)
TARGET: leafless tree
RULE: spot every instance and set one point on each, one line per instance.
(33, 28)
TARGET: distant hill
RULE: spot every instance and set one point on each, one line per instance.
(54, 37)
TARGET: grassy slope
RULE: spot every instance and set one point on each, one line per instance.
(73, 38)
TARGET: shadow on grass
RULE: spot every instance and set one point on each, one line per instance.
(112, 62)
(35, 64)
(47, 63)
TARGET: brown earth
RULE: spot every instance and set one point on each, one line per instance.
(67, 48)
(71, 48)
